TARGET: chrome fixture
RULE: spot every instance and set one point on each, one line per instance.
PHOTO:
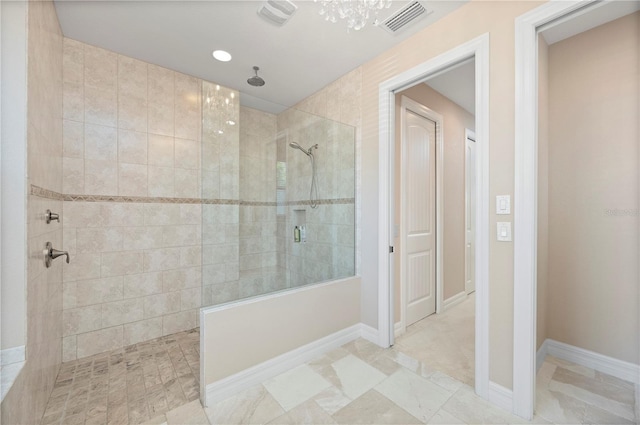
(255, 80)
(355, 12)
(51, 254)
(313, 191)
(51, 216)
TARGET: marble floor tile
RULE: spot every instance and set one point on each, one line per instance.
(414, 394)
(442, 417)
(352, 376)
(331, 400)
(296, 386)
(189, 414)
(252, 406)
(374, 408)
(308, 413)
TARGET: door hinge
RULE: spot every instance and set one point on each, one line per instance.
(390, 250)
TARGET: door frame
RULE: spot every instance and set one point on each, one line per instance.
(477, 48)
(525, 220)
(468, 135)
(422, 110)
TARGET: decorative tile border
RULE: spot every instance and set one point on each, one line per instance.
(49, 194)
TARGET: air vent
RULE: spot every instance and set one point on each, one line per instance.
(402, 18)
(277, 12)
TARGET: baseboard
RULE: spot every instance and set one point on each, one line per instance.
(399, 329)
(369, 333)
(501, 396)
(229, 386)
(12, 355)
(453, 301)
(605, 364)
(541, 354)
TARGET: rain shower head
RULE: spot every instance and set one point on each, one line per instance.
(255, 80)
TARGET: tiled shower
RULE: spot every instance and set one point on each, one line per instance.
(175, 197)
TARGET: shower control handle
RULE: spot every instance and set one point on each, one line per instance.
(51, 216)
(51, 254)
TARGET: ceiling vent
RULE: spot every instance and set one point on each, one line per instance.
(277, 12)
(405, 16)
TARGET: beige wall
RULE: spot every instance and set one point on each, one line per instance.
(275, 325)
(462, 25)
(455, 120)
(130, 129)
(593, 190)
(543, 191)
(26, 401)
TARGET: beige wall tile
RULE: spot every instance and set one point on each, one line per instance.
(161, 181)
(143, 330)
(99, 341)
(142, 237)
(73, 101)
(190, 298)
(69, 348)
(82, 267)
(100, 142)
(181, 235)
(132, 94)
(101, 177)
(82, 214)
(161, 150)
(73, 175)
(72, 139)
(124, 311)
(161, 304)
(186, 183)
(100, 86)
(191, 256)
(82, 319)
(104, 239)
(187, 107)
(98, 291)
(187, 154)
(121, 263)
(177, 322)
(121, 214)
(161, 100)
(175, 280)
(132, 180)
(132, 147)
(73, 61)
(140, 285)
(161, 259)
(161, 214)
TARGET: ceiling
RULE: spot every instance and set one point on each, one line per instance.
(457, 84)
(295, 60)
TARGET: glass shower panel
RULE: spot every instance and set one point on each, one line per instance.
(262, 231)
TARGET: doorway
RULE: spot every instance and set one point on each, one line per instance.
(476, 49)
(534, 198)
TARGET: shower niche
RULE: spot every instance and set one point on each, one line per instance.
(289, 213)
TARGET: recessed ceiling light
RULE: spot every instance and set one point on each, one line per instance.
(222, 56)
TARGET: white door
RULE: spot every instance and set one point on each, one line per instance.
(470, 212)
(419, 215)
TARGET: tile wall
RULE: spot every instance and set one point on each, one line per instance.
(131, 135)
(26, 400)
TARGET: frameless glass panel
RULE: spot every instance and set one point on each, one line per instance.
(278, 199)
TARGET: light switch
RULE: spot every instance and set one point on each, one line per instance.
(503, 204)
(504, 231)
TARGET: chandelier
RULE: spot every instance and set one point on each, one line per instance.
(222, 106)
(355, 12)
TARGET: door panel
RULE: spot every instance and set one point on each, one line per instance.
(419, 182)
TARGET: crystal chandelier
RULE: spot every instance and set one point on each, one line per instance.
(223, 108)
(355, 12)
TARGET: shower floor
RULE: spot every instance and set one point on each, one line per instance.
(130, 385)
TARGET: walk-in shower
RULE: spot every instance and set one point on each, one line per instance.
(313, 190)
(264, 229)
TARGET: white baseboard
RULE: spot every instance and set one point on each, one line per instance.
(453, 301)
(605, 364)
(12, 355)
(369, 333)
(541, 354)
(399, 329)
(501, 396)
(233, 384)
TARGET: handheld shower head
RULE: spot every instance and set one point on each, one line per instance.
(308, 152)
